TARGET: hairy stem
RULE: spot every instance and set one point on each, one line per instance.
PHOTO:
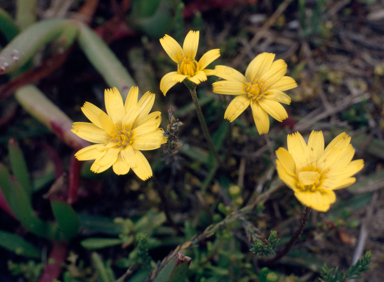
(303, 223)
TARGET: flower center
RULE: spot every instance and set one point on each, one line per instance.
(255, 90)
(122, 137)
(309, 180)
(188, 66)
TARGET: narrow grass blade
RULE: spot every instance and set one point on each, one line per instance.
(7, 26)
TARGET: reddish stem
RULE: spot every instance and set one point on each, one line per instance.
(74, 179)
(4, 205)
(56, 258)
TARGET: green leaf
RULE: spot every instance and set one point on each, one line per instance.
(4, 184)
(99, 243)
(100, 224)
(158, 23)
(24, 46)
(103, 271)
(19, 166)
(25, 13)
(21, 206)
(175, 270)
(18, 245)
(66, 218)
(105, 61)
(7, 26)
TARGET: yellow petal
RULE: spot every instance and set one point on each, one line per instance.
(131, 100)
(346, 171)
(298, 150)
(288, 179)
(150, 125)
(275, 109)
(129, 156)
(275, 73)
(92, 113)
(114, 105)
(286, 160)
(278, 96)
(131, 117)
(151, 141)
(90, 132)
(167, 83)
(107, 123)
(328, 159)
(90, 152)
(260, 117)
(229, 73)
(198, 77)
(259, 65)
(191, 43)
(208, 58)
(315, 146)
(154, 117)
(319, 201)
(345, 183)
(285, 83)
(143, 169)
(106, 161)
(179, 77)
(229, 87)
(345, 157)
(236, 107)
(146, 103)
(340, 141)
(120, 167)
(172, 48)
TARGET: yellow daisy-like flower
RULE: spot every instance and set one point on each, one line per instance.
(313, 172)
(187, 66)
(262, 87)
(121, 133)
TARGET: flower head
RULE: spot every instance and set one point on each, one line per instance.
(262, 88)
(313, 172)
(187, 66)
(121, 133)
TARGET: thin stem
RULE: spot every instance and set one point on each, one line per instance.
(204, 125)
(303, 223)
(165, 205)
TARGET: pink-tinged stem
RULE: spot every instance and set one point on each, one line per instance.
(4, 205)
(56, 258)
(74, 178)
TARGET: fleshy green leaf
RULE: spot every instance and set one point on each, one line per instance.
(7, 25)
(175, 270)
(25, 45)
(66, 218)
(105, 61)
(4, 184)
(19, 166)
(21, 206)
(18, 245)
(99, 243)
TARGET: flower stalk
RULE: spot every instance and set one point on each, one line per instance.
(204, 125)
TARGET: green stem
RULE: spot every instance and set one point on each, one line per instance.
(204, 125)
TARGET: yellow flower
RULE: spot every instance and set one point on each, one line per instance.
(121, 134)
(187, 66)
(313, 172)
(262, 87)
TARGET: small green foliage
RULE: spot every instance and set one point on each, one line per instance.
(264, 249)
(142, 253)
(266, 275)
(30, 270)
(354, 272)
